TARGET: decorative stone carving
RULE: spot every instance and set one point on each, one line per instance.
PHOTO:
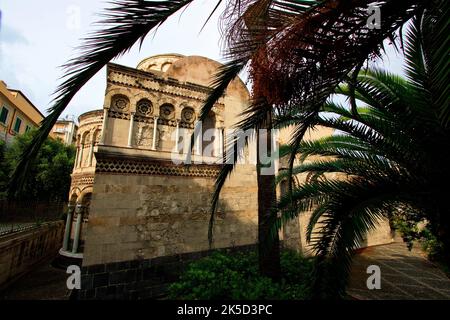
(144, 107)
(144, 135)
(144, 119)
(120, 103)
(119, 115)
(83, 179)
(167, 111)
(120, 76)
(188, 115)
(133, 167)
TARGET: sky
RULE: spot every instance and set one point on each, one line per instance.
(37, 37)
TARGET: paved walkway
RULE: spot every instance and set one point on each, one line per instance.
(405, 275)
(44, 283)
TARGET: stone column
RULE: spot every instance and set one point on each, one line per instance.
(155, 128)
(104, 124)
(218, 144)
(130, 132)
(76, 239)
(177, 136)
(80, 160)
(91, 150)
(221, 147)
(76, 157)
(68, 228)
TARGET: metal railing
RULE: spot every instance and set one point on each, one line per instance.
(16, 216)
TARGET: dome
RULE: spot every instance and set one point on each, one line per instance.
(193, 69)
(190, 69)
(158, 63)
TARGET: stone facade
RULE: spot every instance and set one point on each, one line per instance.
(147, 216)
(131, 204)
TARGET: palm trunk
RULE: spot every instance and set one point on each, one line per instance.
(268, 246)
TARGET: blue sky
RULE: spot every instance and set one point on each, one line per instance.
(36, 37)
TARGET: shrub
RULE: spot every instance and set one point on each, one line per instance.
(235, 276)
(418, 230)
(48, 178)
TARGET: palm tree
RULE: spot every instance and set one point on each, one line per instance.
(390, 152)
(299, 51)
(309, 46)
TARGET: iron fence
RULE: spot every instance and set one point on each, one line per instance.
(17, 216)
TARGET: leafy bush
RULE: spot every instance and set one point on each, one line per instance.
(4, 170)
(417, 230)
(235, 276)
(49, 176)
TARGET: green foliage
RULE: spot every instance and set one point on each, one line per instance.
(389, 151)
(236, 276)
(49, 175)
(4, 169)
(415, 231)
(408, 229)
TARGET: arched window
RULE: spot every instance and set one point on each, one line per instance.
(73, 199)
(86, 203)
(165, 66)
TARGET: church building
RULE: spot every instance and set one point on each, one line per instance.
(135, 217)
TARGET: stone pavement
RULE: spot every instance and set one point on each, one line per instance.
(405, 275)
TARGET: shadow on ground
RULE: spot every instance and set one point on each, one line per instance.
(44, 283)
(405, 275)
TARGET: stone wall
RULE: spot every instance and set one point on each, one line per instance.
(20, 252)
(137, 279)
(165, 210)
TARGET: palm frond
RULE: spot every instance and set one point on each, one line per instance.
(234, 146)
(342, 225)
(388, 152)
(316, 48)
